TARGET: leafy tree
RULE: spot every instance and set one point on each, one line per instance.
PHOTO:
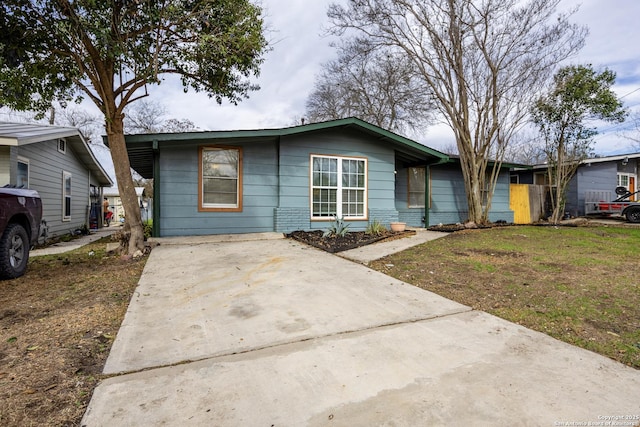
(378, 86)
(578, 94)
(109, 50)
(483, 61)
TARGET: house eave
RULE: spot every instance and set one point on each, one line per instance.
(18, 134)
(140, 147)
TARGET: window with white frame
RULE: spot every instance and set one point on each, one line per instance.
(221, 179)
(62, 146)
(628, 181)
(417, 186)
(66, 196)
(623, 180)
(338, 187)
(22, 177)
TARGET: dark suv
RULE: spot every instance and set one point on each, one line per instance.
(20, 216)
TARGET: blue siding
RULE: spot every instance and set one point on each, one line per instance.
(414, 217)
(449, 200)
(294, 196)
(276, 186)
(179, 192)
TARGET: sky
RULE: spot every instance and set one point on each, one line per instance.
(297, 33)
(300, 46)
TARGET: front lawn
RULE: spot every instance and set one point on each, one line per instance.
(580, 285)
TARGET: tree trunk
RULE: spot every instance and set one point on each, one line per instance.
(126, 188)
(470, 174)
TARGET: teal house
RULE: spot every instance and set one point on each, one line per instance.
(299, 178)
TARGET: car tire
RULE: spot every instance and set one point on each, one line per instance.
(14, 252)
(633, 214)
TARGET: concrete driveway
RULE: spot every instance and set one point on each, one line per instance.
(270, 332)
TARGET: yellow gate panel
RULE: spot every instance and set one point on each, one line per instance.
(519, 203)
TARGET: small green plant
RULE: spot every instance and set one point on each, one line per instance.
(148, 228)
(337, 228)
(375, 228)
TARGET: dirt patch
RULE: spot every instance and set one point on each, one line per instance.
(352, 240)
(57, 324)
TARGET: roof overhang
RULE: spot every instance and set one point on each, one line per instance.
(141, 147)
(17, 134)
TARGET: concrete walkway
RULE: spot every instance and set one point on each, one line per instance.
(274, 333)
(61, 247)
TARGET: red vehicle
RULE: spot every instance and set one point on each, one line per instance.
(20, 217)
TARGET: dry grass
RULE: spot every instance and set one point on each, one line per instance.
(57, 324)
(579, 285)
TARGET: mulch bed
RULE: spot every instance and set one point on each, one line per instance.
(449, 228)
(352, 240)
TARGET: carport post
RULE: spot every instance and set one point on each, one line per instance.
(156, 189)
(427, 196)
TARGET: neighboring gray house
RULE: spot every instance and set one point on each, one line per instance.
(596, 180)
(57, 162)
(299, 178)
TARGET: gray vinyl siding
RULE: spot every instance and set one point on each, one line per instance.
(5, 162)
(179, 191)
(46, 166)
(595, 177)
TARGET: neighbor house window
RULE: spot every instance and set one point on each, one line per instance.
(66, 196)
(338, 187)
(628, 181)
(220, 179)
(22, 179)
(417, 187)
(62, 146)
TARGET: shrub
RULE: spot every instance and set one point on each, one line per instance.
(375, 228)
(337, 228)
(148, 228)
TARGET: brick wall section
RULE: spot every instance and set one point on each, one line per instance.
(384, 216)
(413, 217)
(287, 220)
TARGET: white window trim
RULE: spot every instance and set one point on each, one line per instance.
(26, 162)
(62, 145)
(66, 175)
(339, 188)
(629, 176)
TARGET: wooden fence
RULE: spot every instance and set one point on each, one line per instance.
(527, 202)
